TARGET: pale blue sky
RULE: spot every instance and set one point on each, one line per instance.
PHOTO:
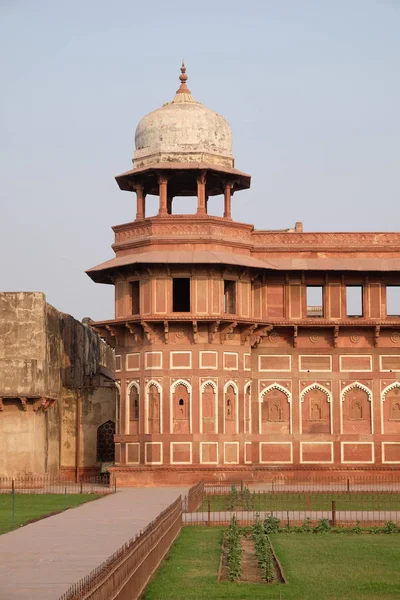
(311, 90)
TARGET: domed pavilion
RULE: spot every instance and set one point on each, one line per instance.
(244, 354)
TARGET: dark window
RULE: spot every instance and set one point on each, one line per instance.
(229, 297)
(393, 300)
(105, 442)
(315, 300)
(181, 402)
(135, 294)
(181, 294)
(354, 300)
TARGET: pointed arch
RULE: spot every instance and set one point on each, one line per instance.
(364, 388)
(316, 386)
(188, 386)
(209, 382)
(235, 388)
(181, 382)
(328, 394)
(280, 388)
(384, 392)
(203, 385)
(356, 384)
(128, 407)
(275, 386)
(389, 388)
(146, 404)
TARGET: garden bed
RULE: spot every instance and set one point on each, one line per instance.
(251, 571)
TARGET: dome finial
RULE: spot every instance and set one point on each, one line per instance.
(183, 89)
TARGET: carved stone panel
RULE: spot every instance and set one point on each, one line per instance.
(275, 415)
(315, 412)
(181, 409)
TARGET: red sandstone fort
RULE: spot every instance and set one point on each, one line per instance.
(244, 353)
(241, 354)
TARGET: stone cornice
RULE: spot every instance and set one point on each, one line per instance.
(186, 227)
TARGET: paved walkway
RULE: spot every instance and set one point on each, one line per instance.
(42, 560)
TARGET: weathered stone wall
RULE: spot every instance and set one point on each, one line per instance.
(96, 407)
(47, 360)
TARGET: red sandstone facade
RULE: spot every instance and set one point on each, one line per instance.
(227, 368)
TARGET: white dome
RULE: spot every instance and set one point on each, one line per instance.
(183, 131)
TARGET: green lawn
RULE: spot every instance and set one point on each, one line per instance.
(33, 506)
(317, 566)
(303, 501)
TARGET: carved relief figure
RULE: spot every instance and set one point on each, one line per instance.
(208, 409)
(154, 409)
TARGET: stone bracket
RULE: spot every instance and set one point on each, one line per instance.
(213, 331)
(377, 332)
(335, 336)
(247, 333)
(135, 331)
(149, 332)
(226, 329)
(195, 332)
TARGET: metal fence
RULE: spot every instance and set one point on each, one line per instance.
(46, 484)
(126, 573)
(368, 503)
(345, 484)
(194, 498)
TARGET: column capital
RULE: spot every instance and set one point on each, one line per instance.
(162, 178)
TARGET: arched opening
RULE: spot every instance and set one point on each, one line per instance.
(105, 442)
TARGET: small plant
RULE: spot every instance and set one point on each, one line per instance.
(263, 550)
(390, 527)
(358, 529)
(233, 498)
(246, 499)
(306, 527)
(271, 524)
(323, 526)
(233, 536)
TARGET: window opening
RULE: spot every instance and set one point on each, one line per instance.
(315, 300)
(393, 300)
(181, 294)
(229, 297)
(135, 295)
(105, 442)
(354, 300)
(181, 403)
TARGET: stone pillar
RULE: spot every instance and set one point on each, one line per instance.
(163, 182)
(227, 200)
(169, 204)
(140, 203)
(201, 194)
